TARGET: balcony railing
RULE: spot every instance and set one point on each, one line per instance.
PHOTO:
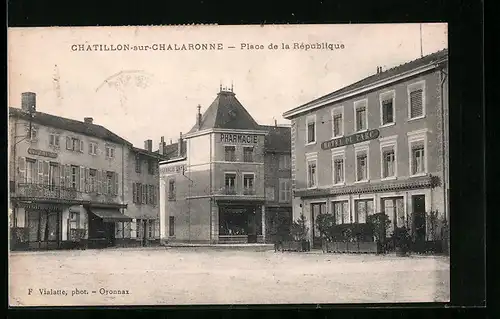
(58, 192)
(248, 191)
(231, 190)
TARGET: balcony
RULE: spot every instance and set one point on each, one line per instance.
(43, 191)
(229, 190)
(248, 191)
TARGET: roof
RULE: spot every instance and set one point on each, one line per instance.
(63, 123)
(172, 149)
(432, 58)
(226, 112)
(278, 139)
(148, 153)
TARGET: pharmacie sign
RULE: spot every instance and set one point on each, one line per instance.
(239, 138)
(351, 139)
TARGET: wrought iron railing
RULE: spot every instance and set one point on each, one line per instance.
(58, 192)
(231, 190)
(248, 191)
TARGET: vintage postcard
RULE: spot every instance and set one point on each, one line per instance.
(274, 164)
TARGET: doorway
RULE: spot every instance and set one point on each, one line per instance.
(316, 209)
(419, 226)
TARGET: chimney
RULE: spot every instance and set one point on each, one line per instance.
(161, 147)
(170, 141)
(148, 145)
(276, 122)
(198, 117)
(28, 101)
(88, 120)
(179, 146)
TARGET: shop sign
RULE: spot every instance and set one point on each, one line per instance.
(33, 151)
(351, 139)
(172, 169)
(239, 138)
(41, 207)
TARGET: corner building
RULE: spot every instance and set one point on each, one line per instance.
(212, 187)
(378, 145)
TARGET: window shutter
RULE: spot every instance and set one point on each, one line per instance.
(99, 181)
(87, 180)
(134, 192)
(82, 179)
(116, 184)
(62, 181)
(22, 169)
(156, 234)
(46, 173)
(68, 143)
(81, 146)
(67, 176)
(416, 103)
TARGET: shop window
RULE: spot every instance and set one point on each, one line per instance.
(340, 210)
(248, 154)
(127, 228)
(394, 209)
(151, 228)
(230, 153)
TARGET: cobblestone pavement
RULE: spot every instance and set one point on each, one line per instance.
(168, 276)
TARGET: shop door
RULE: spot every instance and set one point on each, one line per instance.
(145, 232)
(110, 234)
(418, 206)
(252, 226)
(44, 229)
(317, 209)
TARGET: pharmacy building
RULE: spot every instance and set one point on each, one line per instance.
(228, 180)
(75, 184)
(379, 145)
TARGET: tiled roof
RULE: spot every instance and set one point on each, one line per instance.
(63, 123)
(278, 139)
(172, 149)
(148, 153)
(226, 112)
(406, 67)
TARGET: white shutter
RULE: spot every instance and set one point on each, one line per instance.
(40, 172)
(22, 169)
(82, 179)
(81, 146)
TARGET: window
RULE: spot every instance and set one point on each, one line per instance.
(388, 160)
(110, 182)
(150, 228)
(230, 180)
(137, 193)
(284, 161)
(151, 167)
(74, 144)
(361, 115)
(74, 220)
(311, 129)
(338, 124)
(341, 212)
(32, 134)
(230, 153)
(74, 177)
(171, 226)
(137, 164)
(311, 173)
(92, 180)
(54, 177)
(387, 107)
(144, 194)
(248, 183)
(361, 166)
(92, 148)
(417, 142)
(285, 190)
(171, 189)
(54, 140)
(248, 154)
(416, 100)
(31, 171)
(338, 175)
(362, 209)
(110, 152)
(394, 208)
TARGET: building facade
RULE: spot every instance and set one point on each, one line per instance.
(378, 145)
(212, 187)
(68, 181)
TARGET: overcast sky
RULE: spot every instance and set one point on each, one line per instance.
(164, 87)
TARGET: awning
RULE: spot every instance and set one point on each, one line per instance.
(109, 215)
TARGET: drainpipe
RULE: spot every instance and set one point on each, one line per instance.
(442, 77)
(210, 193)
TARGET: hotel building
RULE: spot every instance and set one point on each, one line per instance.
(72, 183)
(221, 182)
(378, 145)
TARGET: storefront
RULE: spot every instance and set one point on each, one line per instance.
(103, 226)
(240, 223)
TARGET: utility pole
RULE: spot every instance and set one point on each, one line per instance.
(421, 50)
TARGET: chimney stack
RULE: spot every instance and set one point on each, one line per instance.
(179, 146)
(148, 145)
(28, 101)
(198, 117)
(170, 141)
(161, 147)
(276, 122)
(88, 120)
